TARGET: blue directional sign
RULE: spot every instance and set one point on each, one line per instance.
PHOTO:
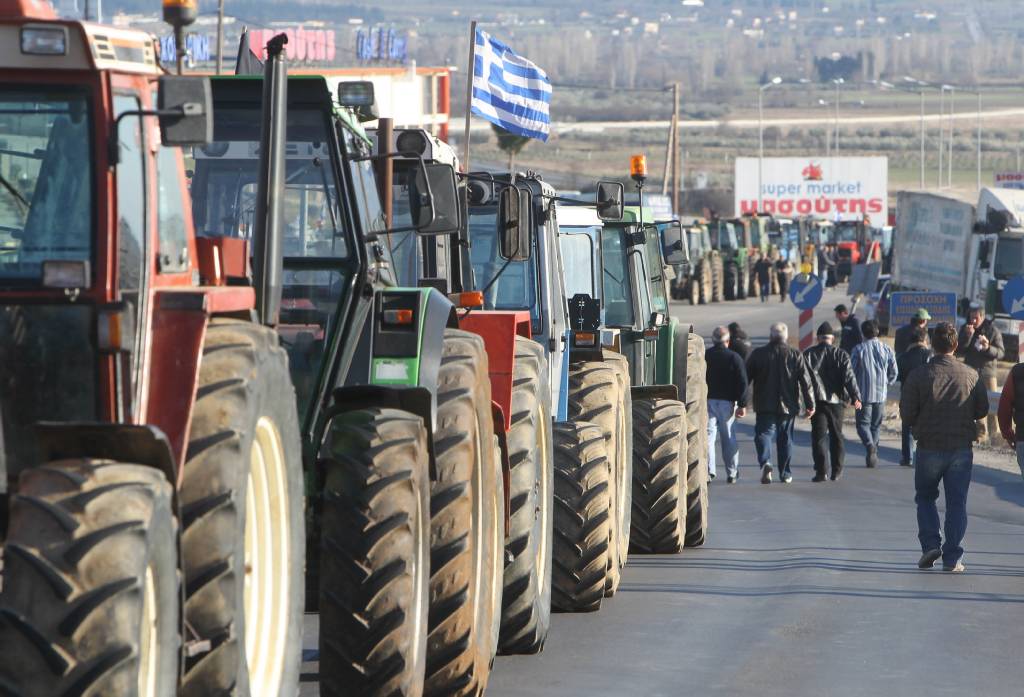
(905, 304)
(1013, 297)
(805, 291)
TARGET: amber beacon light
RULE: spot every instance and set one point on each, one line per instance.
(638, 167)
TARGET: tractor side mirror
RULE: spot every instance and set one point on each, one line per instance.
(185, 110)
(444, 199)
(673, 244)
(658, 319)
(610, 197)
(514, 224)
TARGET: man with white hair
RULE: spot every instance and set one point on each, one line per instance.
(727, 399)
(781, 383)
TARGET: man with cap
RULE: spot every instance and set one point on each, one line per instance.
(849, 325)
(904, 337)
(727, 399)
(834, 385)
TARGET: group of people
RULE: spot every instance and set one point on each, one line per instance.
(763, 270)
(851, 367)
(943, 405)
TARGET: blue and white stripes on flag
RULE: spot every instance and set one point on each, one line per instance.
(509, 90)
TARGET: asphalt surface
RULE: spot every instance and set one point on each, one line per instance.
(801, 589)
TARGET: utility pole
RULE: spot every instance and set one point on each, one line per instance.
(942, 128)
(952, 130)
(922, 138)
(838, 82)
(220, 37)
(677, 165)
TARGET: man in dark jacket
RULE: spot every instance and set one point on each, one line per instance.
(980, 344)
(904, 336)
(849, 325)
(781, 383)
(915, 356)
(739, 342)
(727, 399)
(834, 384)
(941, 403)
(763, 271)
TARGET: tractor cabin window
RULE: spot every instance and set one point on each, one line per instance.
(47, 189)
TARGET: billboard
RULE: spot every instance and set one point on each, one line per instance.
(1010, 180)
(833, 188)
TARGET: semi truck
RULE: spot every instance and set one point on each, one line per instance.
(944, 244)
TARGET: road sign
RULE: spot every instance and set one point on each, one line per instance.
(1013, 297)
(805, 291)
(903, 305)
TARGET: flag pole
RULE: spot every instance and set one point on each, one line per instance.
(469, 94)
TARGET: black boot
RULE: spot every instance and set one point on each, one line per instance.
(872, 458)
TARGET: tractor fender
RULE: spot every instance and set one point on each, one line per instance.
(140, 445)
(415, 400)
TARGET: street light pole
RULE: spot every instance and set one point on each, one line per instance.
(838, 82)
(942, 128)
(952, 131)
(760, 139)
(922, 138)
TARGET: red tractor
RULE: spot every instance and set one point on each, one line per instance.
(154, 528)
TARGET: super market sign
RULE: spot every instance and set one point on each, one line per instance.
(836, 188)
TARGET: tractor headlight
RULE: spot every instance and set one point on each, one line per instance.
(44, 41)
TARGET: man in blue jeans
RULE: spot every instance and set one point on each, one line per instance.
(874, 365)
(781, 382)
(941, 403)
(727, 399)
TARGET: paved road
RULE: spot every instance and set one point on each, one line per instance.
(806, 589)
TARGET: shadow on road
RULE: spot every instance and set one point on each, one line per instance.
(805, 590)
(868, 566)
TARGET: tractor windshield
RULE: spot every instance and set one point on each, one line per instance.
(618, 293)
(507, 285)
(578, 246)
(46, 180)
(318, 242)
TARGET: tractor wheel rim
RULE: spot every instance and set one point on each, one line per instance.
(148, 642)
(267, 560)
(544, 507)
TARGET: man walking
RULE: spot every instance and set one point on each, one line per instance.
(763, 271)
(781, 382)
(904, 335)
(783, 271)
(874, 364)
(849, 325)
(739, 342)
(834, 383)
(941, 403)
(980, 344)
(916, 355)
(727, 399)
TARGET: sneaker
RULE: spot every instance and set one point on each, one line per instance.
(872, 457)
(905, 463)
(836, 474)
(711, 476)
(957, 568)
(731, 479)
(766, 474)
(787, 479)
(928, 559)
(819, 477)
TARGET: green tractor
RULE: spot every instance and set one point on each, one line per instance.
(405, 496)
(727, 239)
(699, 277)
(666, 365)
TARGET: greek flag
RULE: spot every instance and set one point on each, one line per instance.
(509, 90)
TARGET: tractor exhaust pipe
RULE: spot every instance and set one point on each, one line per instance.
(268, 226)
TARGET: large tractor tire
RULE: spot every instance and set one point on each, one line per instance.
(526, 599)
(707, 283)
(91, 598)
(694, 290)
(659, 479)
(730, 282)
(696, 400)
(718, 279)
(467, 506)
(582, 523)
(743, 280)
(242, 507)
(374, 555)
(599, 394)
